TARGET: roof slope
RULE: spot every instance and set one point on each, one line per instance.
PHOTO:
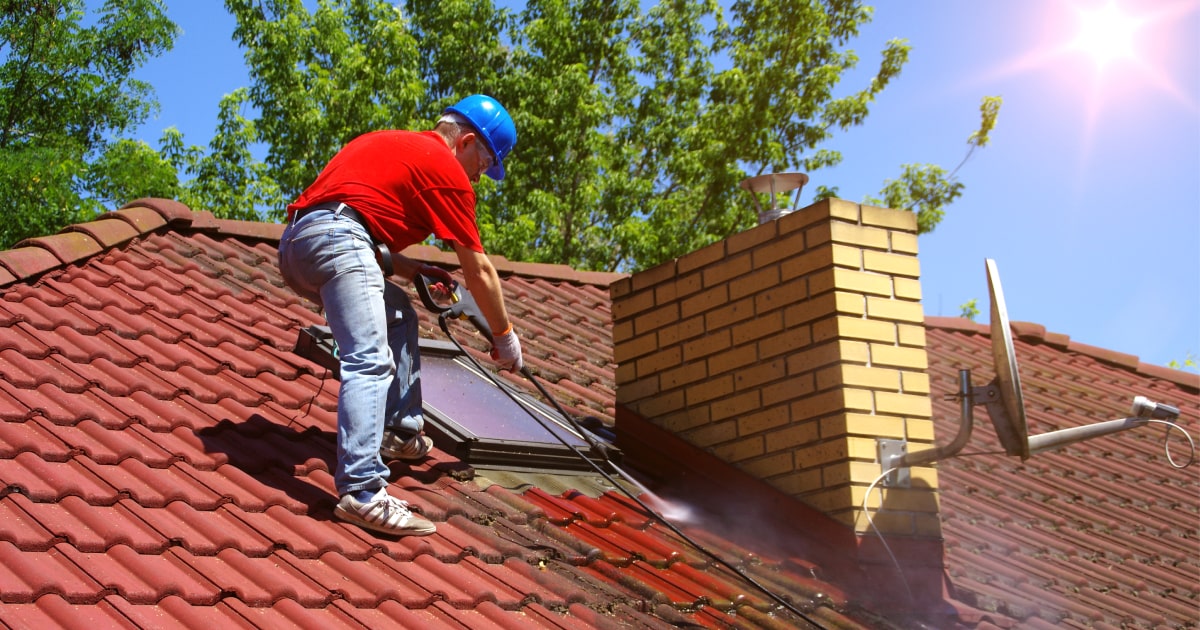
(166, 461)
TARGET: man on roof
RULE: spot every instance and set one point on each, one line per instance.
(394, 187)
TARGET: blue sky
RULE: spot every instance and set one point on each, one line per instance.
(1088, 196)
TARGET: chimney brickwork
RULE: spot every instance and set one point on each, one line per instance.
(787, 350)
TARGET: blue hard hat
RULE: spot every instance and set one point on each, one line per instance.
(492, 121)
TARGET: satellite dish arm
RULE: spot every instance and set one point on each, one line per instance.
(1144, 410)
(1063, 437)
(967, 402)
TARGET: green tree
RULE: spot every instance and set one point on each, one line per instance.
(66, 96)
(635, 121)
(128, 169)
(1188, 363)
(226, 178)
(969, 309)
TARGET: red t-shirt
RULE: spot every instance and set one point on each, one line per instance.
(406, 184)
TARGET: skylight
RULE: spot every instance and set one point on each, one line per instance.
(472, 418)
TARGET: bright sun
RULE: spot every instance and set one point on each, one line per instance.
(1106, 34)
(1130, 44)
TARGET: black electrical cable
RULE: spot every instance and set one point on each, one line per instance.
(600, 449)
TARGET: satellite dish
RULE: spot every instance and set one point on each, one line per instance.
(1006, 407)
(1007, 414)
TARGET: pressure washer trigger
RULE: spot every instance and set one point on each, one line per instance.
(462, 305)
(423, 284)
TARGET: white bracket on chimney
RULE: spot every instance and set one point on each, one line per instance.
(891, 451)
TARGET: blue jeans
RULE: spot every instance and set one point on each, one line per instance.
(330, 259)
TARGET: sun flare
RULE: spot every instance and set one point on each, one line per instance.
(1107, 34)
(1106, 58)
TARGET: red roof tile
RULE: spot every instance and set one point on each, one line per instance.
(166, 461)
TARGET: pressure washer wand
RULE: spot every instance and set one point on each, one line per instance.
(597, 446)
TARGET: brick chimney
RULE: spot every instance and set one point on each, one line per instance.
(787, 350)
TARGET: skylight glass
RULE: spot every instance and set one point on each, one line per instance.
(453, 389)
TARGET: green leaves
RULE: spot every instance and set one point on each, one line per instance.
(969, 310)
(65, 89)
(38, 182)
(1188, 363)
(126, 170)
(989, 110)
(636, 121)
(923, 188)
(926, 188)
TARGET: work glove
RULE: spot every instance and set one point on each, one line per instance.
(506, 350)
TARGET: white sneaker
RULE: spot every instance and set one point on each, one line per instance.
(396, 447)
(383, 513)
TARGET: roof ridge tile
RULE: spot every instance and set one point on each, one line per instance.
(1037, 334)
(1179, 377)
(170, 210)
(1028, 330)
(66, 246)
(28, 262)
(1103, 354)
(958, 324)
(107, 231)
(142, 219)
(554, 272)
(35, 256)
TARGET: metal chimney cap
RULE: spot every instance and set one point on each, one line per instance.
(774, 182)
